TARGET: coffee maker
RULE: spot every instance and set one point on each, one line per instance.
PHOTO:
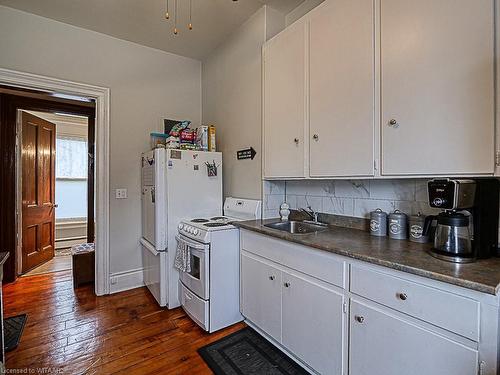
(467, 228)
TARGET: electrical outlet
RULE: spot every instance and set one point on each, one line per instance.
(113, 280)
(121, 193)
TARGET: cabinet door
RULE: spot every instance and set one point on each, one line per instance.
(437, 87)
(312, 323)
(342, 89)
(384, 344)
(261, 295)
(284, 102)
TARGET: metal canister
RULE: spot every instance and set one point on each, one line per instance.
(398, 225)
(378, 223)
(417, 228)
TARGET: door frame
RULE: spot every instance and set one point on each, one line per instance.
(101, 95)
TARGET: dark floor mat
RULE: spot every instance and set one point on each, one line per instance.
(13, 329)
(248, 353)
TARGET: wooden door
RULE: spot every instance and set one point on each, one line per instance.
(384, 344)
(342, 87)
(437, 87)
(38, 190)
(312, 323)
(285, 102)
(261, 295)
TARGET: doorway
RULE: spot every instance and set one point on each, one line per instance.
(30, 141)
(63, 180)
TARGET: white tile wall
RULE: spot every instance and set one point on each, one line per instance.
(348, 197)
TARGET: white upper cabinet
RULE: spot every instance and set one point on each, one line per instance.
(341, 81)
(285, 102)
(437, 87)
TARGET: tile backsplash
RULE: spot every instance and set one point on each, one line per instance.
(348, 197)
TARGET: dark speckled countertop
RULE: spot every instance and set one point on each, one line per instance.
(482, 275)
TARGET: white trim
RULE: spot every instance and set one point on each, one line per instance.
(121, 281)
(102, 97)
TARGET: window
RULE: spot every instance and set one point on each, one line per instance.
(71, 157)
(71, 177)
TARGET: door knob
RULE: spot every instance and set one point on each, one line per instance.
(402, 296)
(55, 205)
(296, 140)
(316, 137)
(359, 319)
(271, 278)
(394, 123)
(287, 285)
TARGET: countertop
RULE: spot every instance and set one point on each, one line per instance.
(402, 255)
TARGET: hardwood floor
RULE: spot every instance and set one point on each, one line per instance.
(74, 332)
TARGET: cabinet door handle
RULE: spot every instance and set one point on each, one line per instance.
(296, 140)
(271, 277)
(394, 123)
(316, 137)
(359, 319)
(287, 285)
(402, 296)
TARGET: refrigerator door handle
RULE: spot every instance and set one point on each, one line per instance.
(153, 197)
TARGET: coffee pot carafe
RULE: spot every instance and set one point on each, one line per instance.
(453, 238)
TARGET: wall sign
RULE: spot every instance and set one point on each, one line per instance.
(248, 153)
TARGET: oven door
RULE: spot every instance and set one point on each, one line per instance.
(197, 280)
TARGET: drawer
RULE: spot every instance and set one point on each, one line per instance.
(316, 263)
(446, 310)
(194, 306)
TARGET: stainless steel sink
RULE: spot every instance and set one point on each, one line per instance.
(297, 227)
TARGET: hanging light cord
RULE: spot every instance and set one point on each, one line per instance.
(190, 26)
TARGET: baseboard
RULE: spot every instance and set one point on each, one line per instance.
(66, 243)
(121, 281)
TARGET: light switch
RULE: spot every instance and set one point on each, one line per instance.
(121, 193)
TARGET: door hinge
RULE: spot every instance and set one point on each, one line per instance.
(344, 307)
(497, 158)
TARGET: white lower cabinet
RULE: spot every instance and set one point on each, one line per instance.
(261, 295)
(357, 318)
(312, 321)
(383, 343)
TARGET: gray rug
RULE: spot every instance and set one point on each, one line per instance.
(13, 329)
(247, 353)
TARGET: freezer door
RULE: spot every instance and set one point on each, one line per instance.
(192, 192)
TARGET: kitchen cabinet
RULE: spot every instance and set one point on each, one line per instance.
(285, 102)
(312, 323)
(377, 321)
(303, 314)
(437, 87)
(384, 343)
(261, 295)
(342, 88)
(401, 87)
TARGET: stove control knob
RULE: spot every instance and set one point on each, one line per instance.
(186, 228)
(181, 226)
(195, 232)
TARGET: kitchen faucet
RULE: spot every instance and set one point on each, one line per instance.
(311, 213)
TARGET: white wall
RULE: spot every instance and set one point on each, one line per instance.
(145, 84)
(232, 96)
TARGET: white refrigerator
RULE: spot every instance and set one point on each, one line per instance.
(176, 184)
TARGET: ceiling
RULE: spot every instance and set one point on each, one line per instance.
(143, 22)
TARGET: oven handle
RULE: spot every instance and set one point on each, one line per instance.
(191, 244)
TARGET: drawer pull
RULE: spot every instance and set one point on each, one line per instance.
(271, 277)
(359, 319)
(402, 296)
(287, 285)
